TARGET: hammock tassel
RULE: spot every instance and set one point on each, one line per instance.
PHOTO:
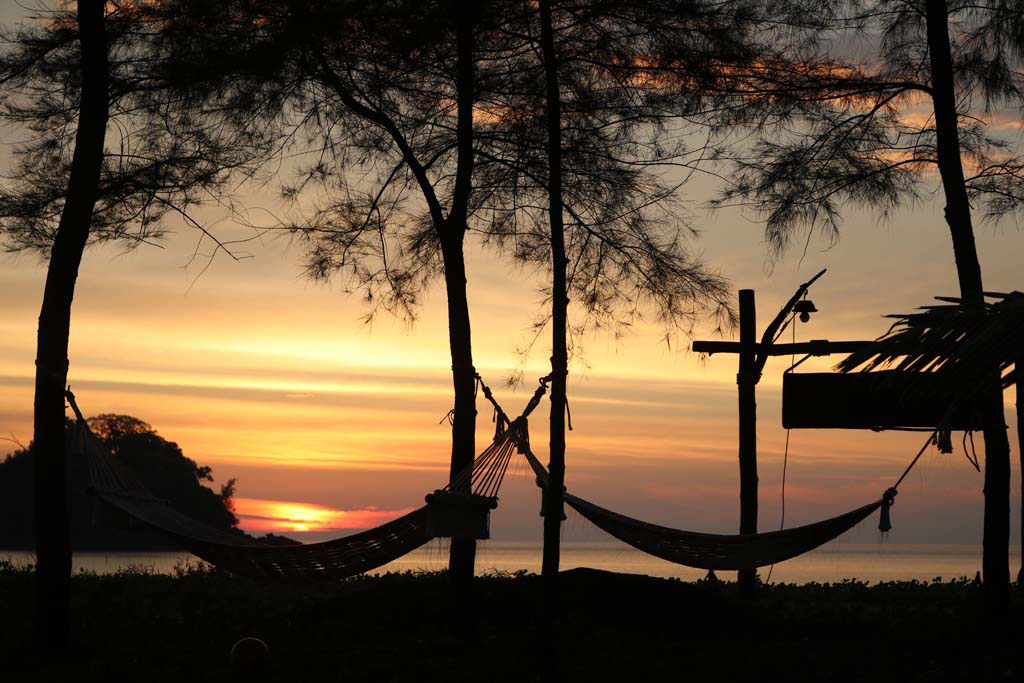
(885, 519)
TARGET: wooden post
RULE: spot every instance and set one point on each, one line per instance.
(746, 380)
(753, 356)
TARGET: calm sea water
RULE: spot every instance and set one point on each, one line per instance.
(871, 562)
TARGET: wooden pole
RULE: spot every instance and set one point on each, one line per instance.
(746, 380)
(753, 356)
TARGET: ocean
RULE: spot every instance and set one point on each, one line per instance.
(833, 562)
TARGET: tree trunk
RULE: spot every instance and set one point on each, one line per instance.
(53, 540)
(463, 551)
(996, 540)
(554, 504)
(462, 555)
(746, 380)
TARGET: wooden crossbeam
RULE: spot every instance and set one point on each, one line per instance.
(815, 347)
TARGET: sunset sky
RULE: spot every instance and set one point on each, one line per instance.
(330, 425)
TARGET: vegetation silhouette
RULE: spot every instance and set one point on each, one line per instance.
(350, 631)
(157, 462)
(368, 85)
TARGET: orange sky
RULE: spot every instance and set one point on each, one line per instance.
(330, 425)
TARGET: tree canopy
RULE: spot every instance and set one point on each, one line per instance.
(365, 96)
(159, 161)
(853, 123)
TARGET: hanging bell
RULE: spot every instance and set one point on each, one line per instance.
(805, 307)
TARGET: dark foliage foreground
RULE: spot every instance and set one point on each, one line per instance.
(399, 627)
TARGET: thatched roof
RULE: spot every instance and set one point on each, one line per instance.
(959, 340)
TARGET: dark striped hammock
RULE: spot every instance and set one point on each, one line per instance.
(717, 551)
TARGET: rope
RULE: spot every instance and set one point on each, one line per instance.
(71, 401)
(785, 452)
(499, 413)
(537, 395)
(931, 439)
(972, 457)
(486, 473)
(889, 497)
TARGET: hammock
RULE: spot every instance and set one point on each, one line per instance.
(719, 551)
(712, 551)
(476, 487)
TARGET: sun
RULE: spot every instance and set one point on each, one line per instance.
(281, 516)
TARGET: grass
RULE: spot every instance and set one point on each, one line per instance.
(141, 626)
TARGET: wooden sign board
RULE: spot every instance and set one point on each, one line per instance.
(868, 400)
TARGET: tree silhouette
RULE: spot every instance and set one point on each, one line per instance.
(158, 463)
(379, 96)
(626, 228)
(111, 428)
(53, 543)
(595, 120)
(67, 75)
(625, 239)
(872, 129)
(553, 504)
